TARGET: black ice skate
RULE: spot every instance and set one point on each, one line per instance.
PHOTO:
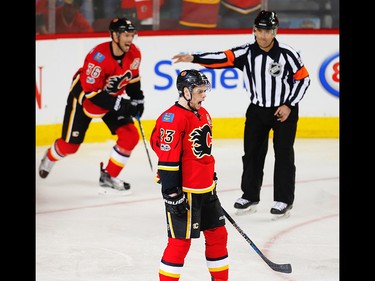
(244, 206)
(112, 185)
(45, 166)
(281, 210)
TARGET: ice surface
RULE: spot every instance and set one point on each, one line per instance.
(83, 236)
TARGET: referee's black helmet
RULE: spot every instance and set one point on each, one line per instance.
(191, 78)
(121, 25)
(266, 20)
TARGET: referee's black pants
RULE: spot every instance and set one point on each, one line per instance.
(259, 122)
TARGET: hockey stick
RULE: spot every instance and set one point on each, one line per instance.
(284, 268)
(144, 141)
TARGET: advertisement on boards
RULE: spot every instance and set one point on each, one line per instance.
(58, 60)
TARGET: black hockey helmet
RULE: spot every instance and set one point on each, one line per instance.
(121, 25)
(191, 78)
(266, 20)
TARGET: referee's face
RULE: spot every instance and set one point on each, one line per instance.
(264, 38)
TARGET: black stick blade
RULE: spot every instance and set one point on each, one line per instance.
(284, 268)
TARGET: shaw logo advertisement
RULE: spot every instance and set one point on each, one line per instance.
(329, 74)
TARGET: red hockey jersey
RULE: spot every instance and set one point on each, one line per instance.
(101, 68)
(182, 140)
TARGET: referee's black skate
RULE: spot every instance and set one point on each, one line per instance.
(281, 210)
(244, 206)
(112, 185)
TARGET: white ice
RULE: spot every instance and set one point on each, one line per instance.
(83, 236)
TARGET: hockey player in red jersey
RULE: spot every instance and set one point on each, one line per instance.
(182, 140)
(99, 88)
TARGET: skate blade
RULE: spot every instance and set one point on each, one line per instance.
(247, 211)
(111, 191)
(280, 217)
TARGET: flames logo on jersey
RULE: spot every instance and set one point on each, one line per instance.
(118, 82)
(202, 141)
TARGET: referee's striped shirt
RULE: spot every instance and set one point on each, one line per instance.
(271, 78)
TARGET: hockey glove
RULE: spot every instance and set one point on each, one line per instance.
(125, 107)
(140, 107)
(176, 205)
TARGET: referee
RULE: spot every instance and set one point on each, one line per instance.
(277, 80)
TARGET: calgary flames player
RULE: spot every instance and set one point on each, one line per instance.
(107, 86)
(182, 140)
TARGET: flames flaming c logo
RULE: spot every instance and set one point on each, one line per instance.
(201, 139)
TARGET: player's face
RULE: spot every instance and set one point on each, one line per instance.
(125, 40)
(198, 96)
(264, 38)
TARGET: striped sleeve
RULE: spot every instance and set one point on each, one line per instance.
(215, 60)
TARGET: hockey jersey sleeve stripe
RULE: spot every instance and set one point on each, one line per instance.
(168, 168)
(135, 79)
(215, 60)
(92, 94)
(301, 74)
(93, 115)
